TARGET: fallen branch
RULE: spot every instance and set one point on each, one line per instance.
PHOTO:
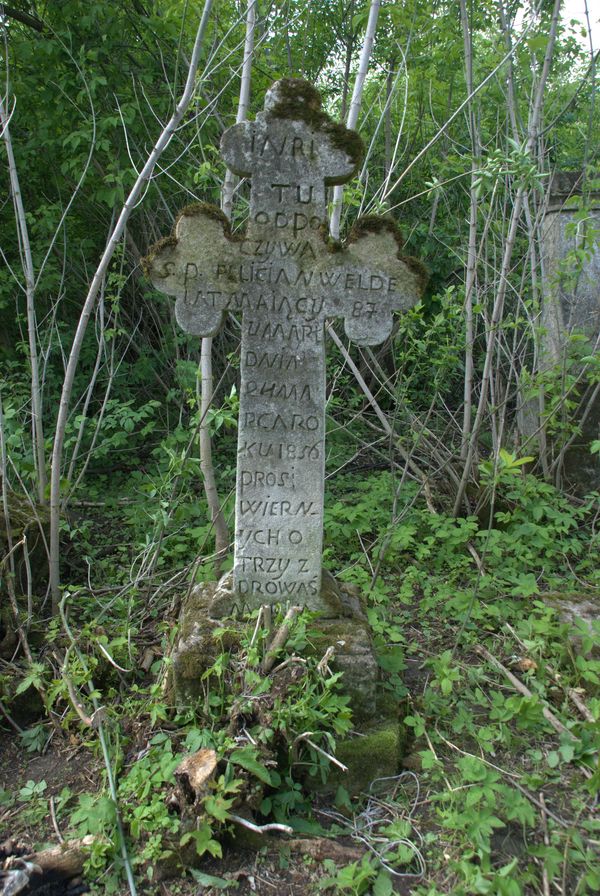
(289, 662)
(261, 828)
(320, 848)
(522, 689)
(545, 879)
(279, 639)
(570, 692)
(306, 738)
(64, 861)
(52, 807)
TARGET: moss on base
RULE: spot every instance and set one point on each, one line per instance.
(375, 753)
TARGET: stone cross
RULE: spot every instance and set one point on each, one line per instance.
(286, 278)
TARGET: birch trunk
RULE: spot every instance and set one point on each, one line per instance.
(471, 267)
(206, 459)
(533, 128)
(242, 111)
(37, 429)
(365, 55)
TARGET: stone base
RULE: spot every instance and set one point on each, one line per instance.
(197, 647)
(354, 656)
(344, 627)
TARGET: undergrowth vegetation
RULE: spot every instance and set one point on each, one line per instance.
(454, 504)
(494, 797)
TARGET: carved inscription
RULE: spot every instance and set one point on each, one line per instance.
(283, 281)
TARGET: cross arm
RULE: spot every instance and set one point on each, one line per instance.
(192, 264)
(370, 279)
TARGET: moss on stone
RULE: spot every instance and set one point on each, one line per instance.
(345, 140)
(208, 210)
(376, 224)
(194, 209)
(332, 245)
(300, 101)
(381, 223)
(167, 242)
(419, 269)
(374, 753)
(200, 640)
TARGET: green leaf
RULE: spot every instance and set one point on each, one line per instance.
(383, 885)
(32, 679)
(567, 751)
(246, 758)
(203, 840)
(209, 880)
(217, 807)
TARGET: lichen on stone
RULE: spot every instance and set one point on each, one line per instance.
(194, 209)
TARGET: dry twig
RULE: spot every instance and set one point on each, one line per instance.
(570, 692)
(522, 689)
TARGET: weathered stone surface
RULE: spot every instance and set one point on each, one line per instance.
(343, 625)
(286, 280)
(571, 305)
(197, 647)
(577, 611)
(336, 599)
(355, 657)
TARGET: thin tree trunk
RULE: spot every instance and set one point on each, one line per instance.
(365, 55)
(389, 81)
(206, 461)
(346, 80)
(242, 111)
(88, 306)
(532, 131)
(29, 275)
(471, 267)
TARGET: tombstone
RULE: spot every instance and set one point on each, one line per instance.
(286, 278)
(571, 305)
